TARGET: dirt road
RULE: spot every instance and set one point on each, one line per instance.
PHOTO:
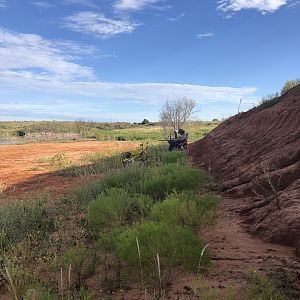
(24, 168)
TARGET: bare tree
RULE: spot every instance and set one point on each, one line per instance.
(175, 113)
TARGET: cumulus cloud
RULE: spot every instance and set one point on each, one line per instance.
(205, 35)
(260, 5)
(98, 24)
(134, 5)
(31, 54)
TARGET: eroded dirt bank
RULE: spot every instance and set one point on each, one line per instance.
(256, 157)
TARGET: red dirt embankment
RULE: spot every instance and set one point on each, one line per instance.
(256, 157)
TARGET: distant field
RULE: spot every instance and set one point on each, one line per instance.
(76, 131)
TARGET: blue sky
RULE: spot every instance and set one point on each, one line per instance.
(121, 60)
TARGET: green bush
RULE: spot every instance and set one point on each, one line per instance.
(173, 157)
(159, 181)
(83, 262)
(186, 209)
(173, 178)
(262, 288)
(117, 207)
(20, 133)
(269, 101)
(20, 219)
(126, 178)
(175, 245)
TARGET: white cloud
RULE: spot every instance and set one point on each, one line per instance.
(152, 93)
(98, 24)
(134, 5)
(29, 63)
(42, 4)
(31, 54)
(64, 110)
(174, 19)
(260, 5)
(205, 35)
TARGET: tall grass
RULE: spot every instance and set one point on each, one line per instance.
(17, 220)
(176, 246)
(157, 182)
(116, 207)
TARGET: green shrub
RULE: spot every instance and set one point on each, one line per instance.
(262, 288)
(158, 181)
(59, 160)
(186, 209)
(269, 101)
(87, 193)
(83, 262)
(175, 245)
(174, 177)
(126, 178)
(173, 211)
(173, 157)
(20, 133)
(19, 219)
(117, 207)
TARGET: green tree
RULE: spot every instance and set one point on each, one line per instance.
(145, 122)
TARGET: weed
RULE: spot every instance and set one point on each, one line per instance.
(2, 187)
(262, 288)
(202, 290)
(269, 101)
(59, 160)
(176, 246)
(173, 157)
(186, 209)
(83, 262)
(18, 220)
(159, 181)
(116, 207)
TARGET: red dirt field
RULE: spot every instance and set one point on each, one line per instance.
(23, 168)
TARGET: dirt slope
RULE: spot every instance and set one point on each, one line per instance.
(256, 157)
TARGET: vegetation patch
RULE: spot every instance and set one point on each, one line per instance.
(116, 207)
(159, 248)
(19, 219)
(186, 209)
(157, 182)
(138, 223)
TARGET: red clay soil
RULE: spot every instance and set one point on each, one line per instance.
(256, 156)
(236, 254)
(23, 169)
